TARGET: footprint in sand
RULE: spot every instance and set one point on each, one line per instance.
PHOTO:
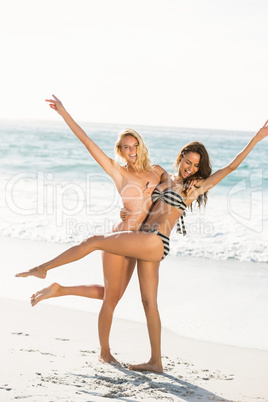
(29, 350)
(19, 333)
(6, 388)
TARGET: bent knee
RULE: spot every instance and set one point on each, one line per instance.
(91, 243)
(86, 241)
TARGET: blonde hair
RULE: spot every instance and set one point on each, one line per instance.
(143, 163)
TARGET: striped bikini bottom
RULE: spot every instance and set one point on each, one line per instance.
(165, 240)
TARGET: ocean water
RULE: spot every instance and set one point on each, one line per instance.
(53, 190)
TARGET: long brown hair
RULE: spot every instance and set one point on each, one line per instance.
(204, 170)
(143, 163)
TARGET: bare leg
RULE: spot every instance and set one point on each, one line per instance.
(117, 273)
(145, 246)
(56, 290)
(148, 277)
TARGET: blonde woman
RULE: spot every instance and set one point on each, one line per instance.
(170, 199)
(134, 181)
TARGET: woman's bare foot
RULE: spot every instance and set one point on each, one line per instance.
(37, 271)
(51, 291)
(156, 368)
(108, 358)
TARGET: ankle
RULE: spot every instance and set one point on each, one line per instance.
(105, 351)
(155, 362)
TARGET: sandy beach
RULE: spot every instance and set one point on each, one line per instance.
(50, 353)
(88, 87)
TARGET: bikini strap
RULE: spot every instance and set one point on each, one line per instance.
(181, 225)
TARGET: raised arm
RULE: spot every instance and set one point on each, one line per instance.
(101, 158)
(216, 177)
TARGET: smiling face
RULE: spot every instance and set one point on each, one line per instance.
(189, 164)
(128, 148)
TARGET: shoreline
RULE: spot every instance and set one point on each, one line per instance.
(218, 301)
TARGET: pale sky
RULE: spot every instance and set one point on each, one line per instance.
(182, 63)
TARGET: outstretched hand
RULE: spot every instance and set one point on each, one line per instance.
(263, 132)
(56, 104)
